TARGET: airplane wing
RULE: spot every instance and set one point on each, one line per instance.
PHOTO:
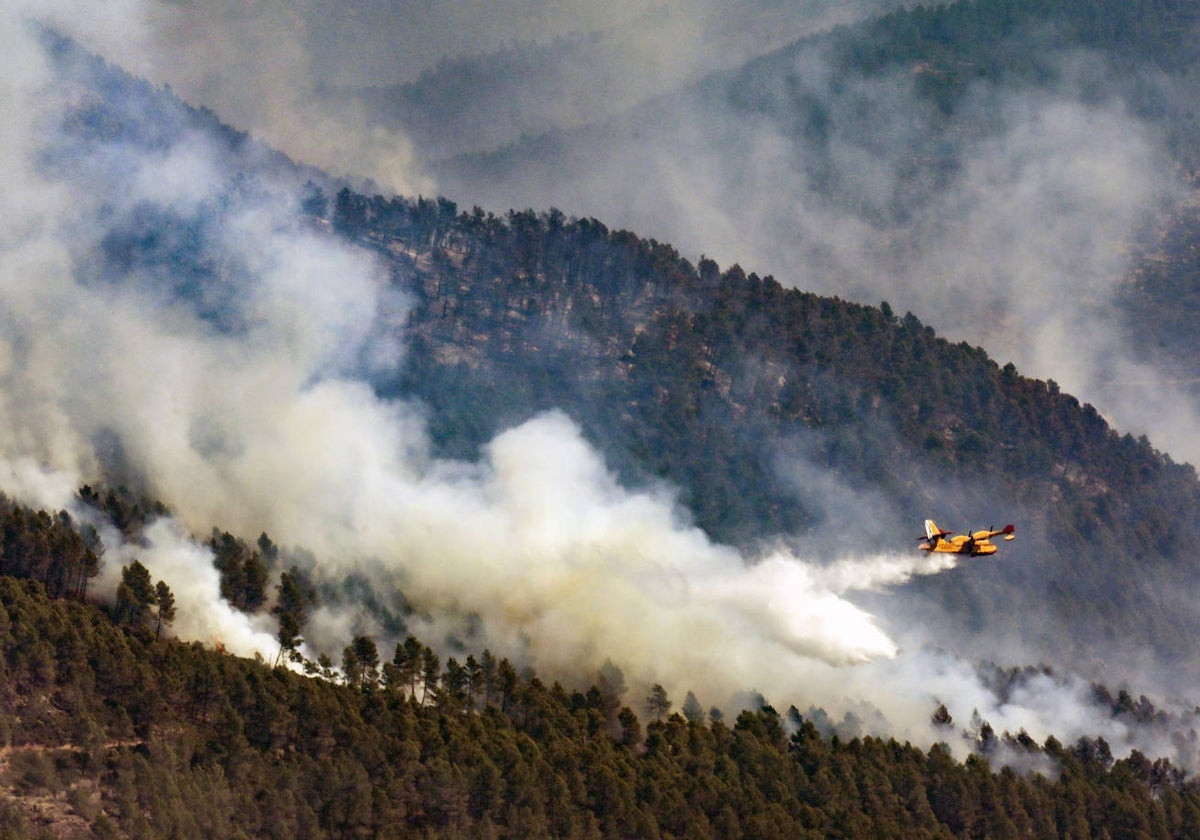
(1006, 532)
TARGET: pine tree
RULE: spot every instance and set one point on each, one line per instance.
(135, 594)
(293, 596)
(165, 600)
(658, 705)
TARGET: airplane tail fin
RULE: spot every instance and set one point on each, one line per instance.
(932, 531)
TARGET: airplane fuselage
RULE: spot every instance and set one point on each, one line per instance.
(960, 545)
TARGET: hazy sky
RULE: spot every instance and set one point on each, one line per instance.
(261, 65)
(379, 42)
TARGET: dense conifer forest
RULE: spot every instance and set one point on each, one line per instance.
(715, 378)
(703, 376)
(112, 731)
(709, 378)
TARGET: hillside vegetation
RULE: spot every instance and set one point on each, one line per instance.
(110, 733)
(884, 127)
(717, 381)
(741, 393)
(777, 414)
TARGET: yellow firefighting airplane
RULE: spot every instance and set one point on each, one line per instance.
(973, 545)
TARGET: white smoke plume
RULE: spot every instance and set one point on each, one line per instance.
(253, 64)
(264, 424)
(257, 420)
(186, 566)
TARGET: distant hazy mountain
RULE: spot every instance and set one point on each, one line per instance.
(484, 102)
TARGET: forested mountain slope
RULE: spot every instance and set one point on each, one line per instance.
(997, 168)
(484, 102)
(110, 733)
(778, 414)
(740, 392)
(895, 160)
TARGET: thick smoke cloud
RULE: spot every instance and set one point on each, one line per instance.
(263, 419)
(246, 404)
(253, 64)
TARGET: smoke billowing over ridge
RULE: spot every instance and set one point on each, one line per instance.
(254, 411)
(241, 397)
